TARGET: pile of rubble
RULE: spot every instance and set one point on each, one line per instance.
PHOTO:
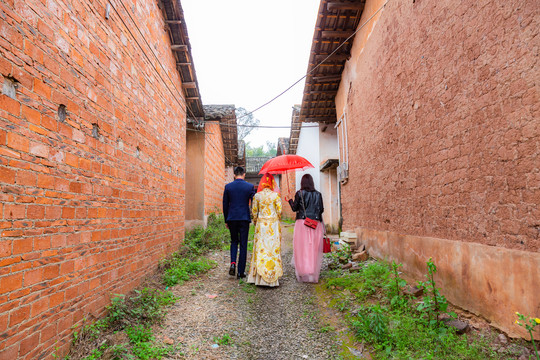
(358, 252)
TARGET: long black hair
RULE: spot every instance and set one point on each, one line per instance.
(307, 183)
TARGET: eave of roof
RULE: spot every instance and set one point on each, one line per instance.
(181, 47)
(226, 116)
(336, 21)
(295, 129)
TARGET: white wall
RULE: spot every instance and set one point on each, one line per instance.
(317, 147)
(308, 147)
(328, 143)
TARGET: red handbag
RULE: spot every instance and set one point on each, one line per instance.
(311, 223)
(326, 245)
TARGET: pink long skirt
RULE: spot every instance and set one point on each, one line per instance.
(307, 251)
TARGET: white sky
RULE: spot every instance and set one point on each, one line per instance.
(247, 51)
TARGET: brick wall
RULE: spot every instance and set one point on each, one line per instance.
(89, 204)
(443, 123)
(229, 174)
(214, 172)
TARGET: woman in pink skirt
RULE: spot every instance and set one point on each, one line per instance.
(307, 241)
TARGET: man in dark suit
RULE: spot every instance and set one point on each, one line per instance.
(236, 198)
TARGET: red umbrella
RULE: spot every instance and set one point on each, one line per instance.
(284, 163)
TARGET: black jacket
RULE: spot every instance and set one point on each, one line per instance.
(313, 204)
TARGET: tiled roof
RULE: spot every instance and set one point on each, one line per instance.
(255, 163)
(226, 116)
(282, 146)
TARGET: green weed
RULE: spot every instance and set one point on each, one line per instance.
(143, 344)
(326, 329)
(394, 326)
(146, 306)
(529, 323)
(180, 269)
(135, 314)
(247, 287)
(223, 340)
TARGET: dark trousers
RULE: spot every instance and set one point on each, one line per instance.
(239, 234)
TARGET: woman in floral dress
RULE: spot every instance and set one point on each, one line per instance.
(265, 267)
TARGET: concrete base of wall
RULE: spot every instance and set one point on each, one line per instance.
(191, 224)
(491, 282)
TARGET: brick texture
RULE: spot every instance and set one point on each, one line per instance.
(229, 174)
(83, 215)
(444, 130)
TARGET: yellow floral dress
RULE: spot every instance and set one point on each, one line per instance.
(265, 266)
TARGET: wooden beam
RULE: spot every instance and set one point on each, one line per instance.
(335, 57)
(179, 47)
(322, 92)
(319, 119)
(327, 78)
(336, 34)
(357, 5)
(319, 109)
(189, 85)
(318, 101)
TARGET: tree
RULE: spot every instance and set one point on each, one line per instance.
(260, 151)
(245, 118)
(271, 148)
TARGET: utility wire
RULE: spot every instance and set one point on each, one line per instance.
(296, 82)
(317, 66)
(268, 126)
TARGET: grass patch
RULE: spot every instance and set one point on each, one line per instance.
(247, 287)
(287, 220)
(394, 324)
(179, 269)
(251, 236)
(126, 331)
(223, 340)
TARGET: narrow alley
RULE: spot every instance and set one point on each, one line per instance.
(411, 128)
(282, 323)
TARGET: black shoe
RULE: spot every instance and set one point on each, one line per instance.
(232, 269)
(240, 276)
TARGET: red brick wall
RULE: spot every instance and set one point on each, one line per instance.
(443, 119)
(82, 217)
(214, 173)
(229, 174)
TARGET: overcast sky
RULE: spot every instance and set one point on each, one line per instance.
(247, 51)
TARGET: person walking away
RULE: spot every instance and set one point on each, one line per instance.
(265, 266)
(307, 241)
(236, 198)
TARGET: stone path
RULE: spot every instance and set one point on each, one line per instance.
(247, 322)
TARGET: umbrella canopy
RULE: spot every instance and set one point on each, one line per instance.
(284, 163)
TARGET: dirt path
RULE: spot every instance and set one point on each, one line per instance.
(247, 322)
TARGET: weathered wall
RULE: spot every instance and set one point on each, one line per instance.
(444, 133)
(214, 169)
(83, 215)
(330, 194)
(287, 186)
(195, 167)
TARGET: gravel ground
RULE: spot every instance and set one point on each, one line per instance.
(262, 323)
